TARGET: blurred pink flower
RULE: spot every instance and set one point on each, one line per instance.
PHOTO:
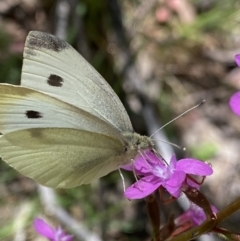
(235, 98)
(52, 234)
(163, 14)
(155, 172)
(235, 103)
(237, 59)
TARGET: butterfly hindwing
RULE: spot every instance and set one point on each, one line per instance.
(44, 155)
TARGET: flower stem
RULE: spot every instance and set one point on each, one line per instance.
(154, 215)
(227, 211)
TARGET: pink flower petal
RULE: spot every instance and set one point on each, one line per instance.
(141, 167)
(142, 188)
(173, 162)
(235, 103)
(174, 184)
(176, 179)
(194, 214)
(143, 163)
(193, 166)
(153, 158)
(60, 235)
(237, 59)
(43, 228)
(67, 238)
(193, 184)
(175, 192)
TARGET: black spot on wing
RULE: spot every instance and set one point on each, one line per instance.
(55, 80)
(41, 40)
(32, 114)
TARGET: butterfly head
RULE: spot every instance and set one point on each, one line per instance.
(138, 142)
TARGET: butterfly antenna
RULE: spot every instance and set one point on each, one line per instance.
(194, 107)
(172, 144)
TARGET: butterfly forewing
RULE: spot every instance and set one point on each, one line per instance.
(55, 68)
(23, 108)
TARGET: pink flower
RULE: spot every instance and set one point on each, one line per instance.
(195, 215)
(235, 98)
(52, 234)
(237, 59)
(155, 172)
(235, 103)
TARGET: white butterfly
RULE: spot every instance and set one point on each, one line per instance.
(64, 126)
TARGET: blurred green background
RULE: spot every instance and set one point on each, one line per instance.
(183, 52)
